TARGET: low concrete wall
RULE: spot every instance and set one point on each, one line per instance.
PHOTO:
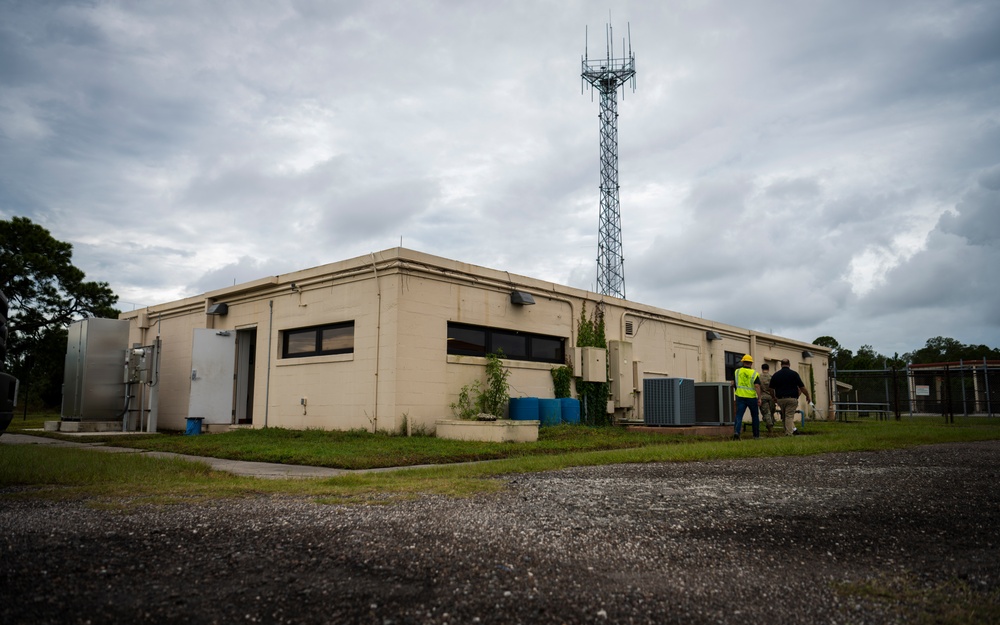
(499, 431)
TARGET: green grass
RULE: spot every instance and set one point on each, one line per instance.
(42, 471)
(915, 601)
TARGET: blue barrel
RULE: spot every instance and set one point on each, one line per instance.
(570, 410)
(550, 411)
(193, 426)
(524, 408)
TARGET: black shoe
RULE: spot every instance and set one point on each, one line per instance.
(736, 437)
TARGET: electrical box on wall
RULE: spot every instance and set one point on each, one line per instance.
(575, 357)
(594, 365)
(622, 381)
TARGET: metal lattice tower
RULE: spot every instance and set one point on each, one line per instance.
(607, 75)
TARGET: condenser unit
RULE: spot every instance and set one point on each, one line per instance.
(713, 402)
(668, 401)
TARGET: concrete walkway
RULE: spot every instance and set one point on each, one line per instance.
(266, 470)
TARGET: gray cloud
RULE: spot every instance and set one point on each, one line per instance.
(807, 169)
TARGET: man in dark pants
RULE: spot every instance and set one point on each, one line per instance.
(787, 385)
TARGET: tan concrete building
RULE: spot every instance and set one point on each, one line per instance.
(389, 339)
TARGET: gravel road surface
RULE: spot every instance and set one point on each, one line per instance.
(775, 541)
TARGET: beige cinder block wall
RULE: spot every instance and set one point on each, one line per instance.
(401, 302)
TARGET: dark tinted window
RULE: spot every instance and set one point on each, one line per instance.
(547, 349)
(334, 338)
(513, 344)
(468, 340)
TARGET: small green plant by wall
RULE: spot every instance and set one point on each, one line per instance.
(493, 400)
(490, 399)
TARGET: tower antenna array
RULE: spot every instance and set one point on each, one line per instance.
(607, 75)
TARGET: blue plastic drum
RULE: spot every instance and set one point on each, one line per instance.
(570, 410)
(524, 408)
(550, 411)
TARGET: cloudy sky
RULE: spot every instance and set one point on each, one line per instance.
(815, 168)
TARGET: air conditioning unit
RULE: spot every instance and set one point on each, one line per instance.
(668, 401)
(713, 402)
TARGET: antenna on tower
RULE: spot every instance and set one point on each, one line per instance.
(607, 75)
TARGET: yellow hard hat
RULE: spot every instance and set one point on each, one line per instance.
(746, 358)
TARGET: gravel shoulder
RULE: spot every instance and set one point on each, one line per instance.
(866, 537)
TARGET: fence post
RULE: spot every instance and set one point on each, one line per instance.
(965, 403)
(895, 393)
(947, 412)
(986, 371)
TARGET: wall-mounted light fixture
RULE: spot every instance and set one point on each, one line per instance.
(712, 335)
(217, 309)
(520, 298)
(807, 354)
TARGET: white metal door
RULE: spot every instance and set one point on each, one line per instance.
(213, 357)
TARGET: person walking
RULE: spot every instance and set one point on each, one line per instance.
(767, 398)
(748, 393)
(787, 386)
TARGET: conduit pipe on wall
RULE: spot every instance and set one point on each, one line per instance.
(378, 342)
(666, 319)
(267, 382)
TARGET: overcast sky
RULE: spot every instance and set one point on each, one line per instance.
(815, 168)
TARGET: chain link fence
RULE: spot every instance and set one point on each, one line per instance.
(966, 389)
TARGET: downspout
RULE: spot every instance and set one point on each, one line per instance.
(267, 382)
(378, 341)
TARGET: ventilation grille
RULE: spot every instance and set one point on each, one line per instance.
(668, 401)
(628, 327)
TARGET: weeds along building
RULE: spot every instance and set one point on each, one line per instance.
(387, 341)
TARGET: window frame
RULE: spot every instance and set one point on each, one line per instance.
(317, 332)
(489, 344)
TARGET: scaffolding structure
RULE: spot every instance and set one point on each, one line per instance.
(607, 75)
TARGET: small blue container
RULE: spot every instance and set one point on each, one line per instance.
(549, 411)
(193, 426)
(570, 408)
(524, 408)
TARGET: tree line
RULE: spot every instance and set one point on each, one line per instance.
(937, 349)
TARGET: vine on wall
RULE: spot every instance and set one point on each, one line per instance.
(562, 378)
(593, 395)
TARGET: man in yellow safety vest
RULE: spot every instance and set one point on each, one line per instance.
(748, 394)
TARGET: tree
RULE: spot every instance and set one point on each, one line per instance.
(944, 349)
(839, 354)
(46, 292)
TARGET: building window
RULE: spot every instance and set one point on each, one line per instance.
(732, 364)
(334, 338)
(469, 340)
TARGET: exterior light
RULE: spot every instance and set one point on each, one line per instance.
(520, 298)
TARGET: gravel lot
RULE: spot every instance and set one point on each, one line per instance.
(751, 541)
